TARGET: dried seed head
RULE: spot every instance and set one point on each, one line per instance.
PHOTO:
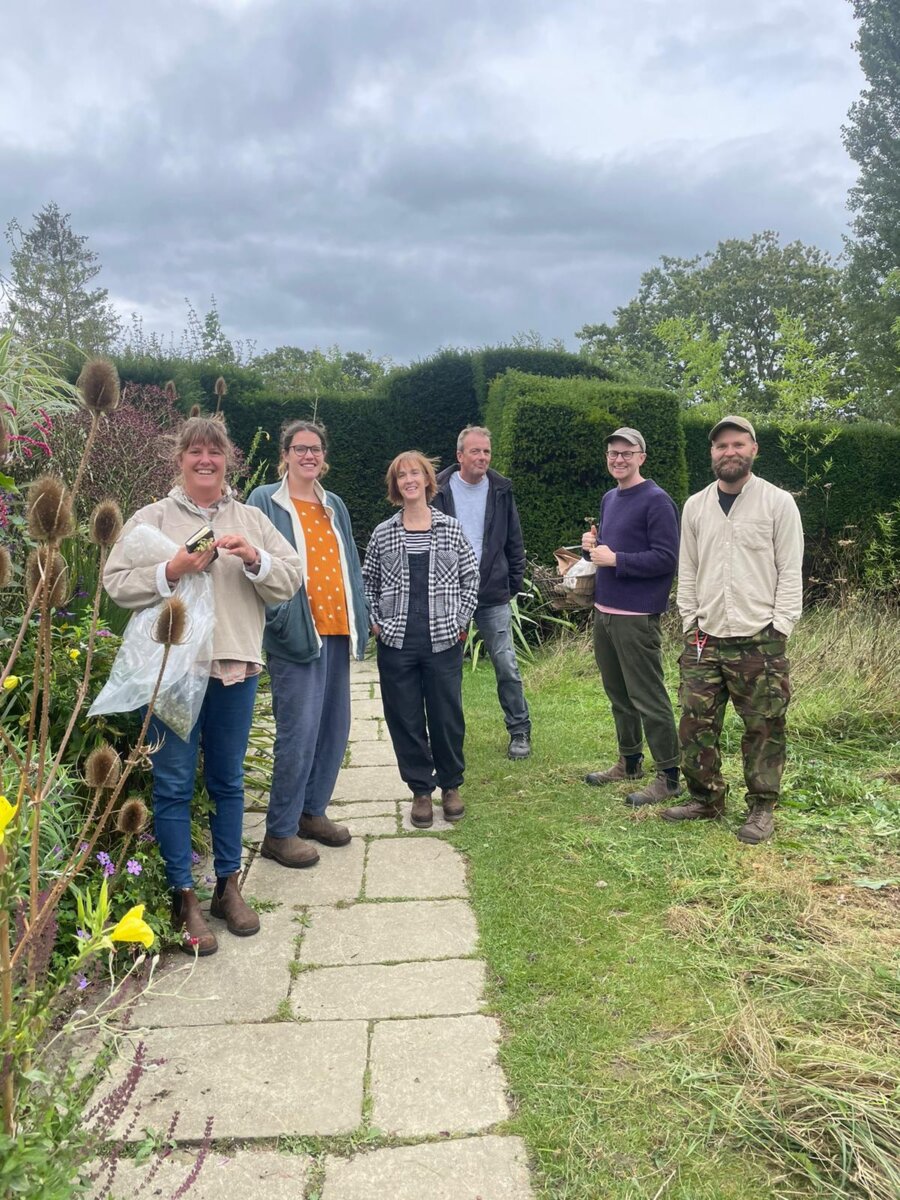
(99, 384)
(46, 563)
(132, 815)
(221, 387)
(5, 567)
(49, 509)
(171, 391)
(171, 623)
(195, 410)
(103, 767)
(106, 523)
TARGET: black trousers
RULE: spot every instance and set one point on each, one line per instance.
(421, 693)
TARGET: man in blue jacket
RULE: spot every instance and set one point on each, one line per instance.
(482, 501)
(636, 552)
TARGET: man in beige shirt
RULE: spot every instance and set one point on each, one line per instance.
(739, 595)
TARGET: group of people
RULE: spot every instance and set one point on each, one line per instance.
(289, 590)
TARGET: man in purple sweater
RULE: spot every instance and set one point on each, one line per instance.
(636, 552)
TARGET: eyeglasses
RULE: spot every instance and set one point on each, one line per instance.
(300, 451)
(628, 455)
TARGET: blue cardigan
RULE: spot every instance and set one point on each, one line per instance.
(290, 631)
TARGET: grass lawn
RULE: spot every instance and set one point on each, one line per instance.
(688, 1017)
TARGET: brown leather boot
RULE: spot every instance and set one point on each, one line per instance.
(289, 851)
(454, 808)
(187, 917)
(230, 906)
(613, 774)
(695, 810)
(422, 812)
(760, 824)
(322, 829)
(662, 788)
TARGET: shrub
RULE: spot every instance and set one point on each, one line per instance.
(558, 364)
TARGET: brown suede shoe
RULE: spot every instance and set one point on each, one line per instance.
(694, 810)
(233, 909)
(422, 813)
(662, 788)
(187, 917)
(289, 851)
(760, 824)
(322, 829)
(614, 774)
(454, 809)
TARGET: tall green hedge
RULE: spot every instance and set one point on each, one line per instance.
(558, 364)
(549, 437)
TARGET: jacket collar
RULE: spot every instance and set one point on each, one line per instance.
(180, 496)
(282, 495)
(497, 481)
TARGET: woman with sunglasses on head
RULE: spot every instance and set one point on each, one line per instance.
(309, 642)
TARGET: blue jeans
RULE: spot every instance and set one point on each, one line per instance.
(494, 623)
(222, 729)
(311, 705)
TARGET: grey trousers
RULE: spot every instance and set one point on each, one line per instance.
(628, 652)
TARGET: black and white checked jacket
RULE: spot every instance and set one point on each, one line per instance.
(452, 581)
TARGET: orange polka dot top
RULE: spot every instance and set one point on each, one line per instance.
(325, 582)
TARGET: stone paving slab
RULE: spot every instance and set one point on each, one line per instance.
(414, 868)
(341, 810)
(373, 827)
(372, 754)
(484, 1168)
(435, 1076)
(422, 989)
(389, 932)
(246, 1174)
(439, 826)
(336, 876)
(366, 731)
(365, 709)
(243, 982)
(369, 783)
(254, 828)
(257, 1081)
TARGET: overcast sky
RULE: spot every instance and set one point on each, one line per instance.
(396, 176)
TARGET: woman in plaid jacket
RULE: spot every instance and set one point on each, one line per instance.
(421, 584)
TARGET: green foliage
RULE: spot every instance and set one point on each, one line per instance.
(289, 371)
(533, 360)
(702, 360)
(549, 438)
(881, 560)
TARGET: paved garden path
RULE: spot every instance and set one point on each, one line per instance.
(353, 1019)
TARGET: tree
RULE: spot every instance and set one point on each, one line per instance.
(50, 299)
(872, 139)
(290, 371)
(733, 291)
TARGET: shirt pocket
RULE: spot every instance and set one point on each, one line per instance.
(753, 536)
(446, 566)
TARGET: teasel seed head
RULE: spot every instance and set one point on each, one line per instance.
(103, 767)
(5, 567)
(47, 563)
(49, 509)
(221, 390)
(195, 410)
(171, 391)
(132, 816)
(99, 384)
(171, 624)
(106, 523)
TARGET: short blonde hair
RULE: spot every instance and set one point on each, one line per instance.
(203, 431)
(417, 459)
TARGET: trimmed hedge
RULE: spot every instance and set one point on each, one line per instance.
(549, 438)
(558, 364)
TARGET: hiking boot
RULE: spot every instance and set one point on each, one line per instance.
(453, 806)
(422, 813)
(662, 788)
(230, 906)
(187, 917)
(519, 746)
(289, 851)
(613, 774)
(323, 829)
(694, 810)
(760, 824)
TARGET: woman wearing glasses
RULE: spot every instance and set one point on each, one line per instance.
(308, 643)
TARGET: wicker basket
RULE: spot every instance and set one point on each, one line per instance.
(558, 594)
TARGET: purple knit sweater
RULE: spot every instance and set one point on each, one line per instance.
(640, 524)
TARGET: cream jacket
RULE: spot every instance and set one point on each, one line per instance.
(740, 573)
(240, 598)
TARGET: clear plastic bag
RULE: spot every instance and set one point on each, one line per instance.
(137, 664)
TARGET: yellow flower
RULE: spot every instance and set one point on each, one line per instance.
(74, 655)
(7, 812)
(133, 928)
(10, 682)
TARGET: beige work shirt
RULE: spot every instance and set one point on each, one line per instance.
(741, 572)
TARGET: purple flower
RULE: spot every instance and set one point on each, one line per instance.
(195, 857)
(146, 837)
(82, 847)
(133, 867)
(103, 632)
(108, 869)
(83, 934)
(57, 851)
(103, 858)
(82, 982)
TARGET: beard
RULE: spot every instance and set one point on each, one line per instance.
(733, 469)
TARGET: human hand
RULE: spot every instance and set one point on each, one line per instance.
(234, 543)
(589, 540)
(185, 563)
(376, 630)
(603, 556)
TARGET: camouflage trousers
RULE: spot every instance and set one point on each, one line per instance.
(753, 673)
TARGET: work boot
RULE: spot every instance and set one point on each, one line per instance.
(289, 851)
(422, 812)
(453, 806)
(613, 774)
(760, 824)
(230, 906)
(662, 788)
(187, 918)
(519, 746)
(695, 810)
(323, 829)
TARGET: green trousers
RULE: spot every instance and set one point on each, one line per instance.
(628, 651)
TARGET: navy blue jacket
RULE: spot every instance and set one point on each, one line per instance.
(503, 551)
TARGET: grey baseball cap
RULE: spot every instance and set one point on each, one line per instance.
(629, 435)
(735, 423)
